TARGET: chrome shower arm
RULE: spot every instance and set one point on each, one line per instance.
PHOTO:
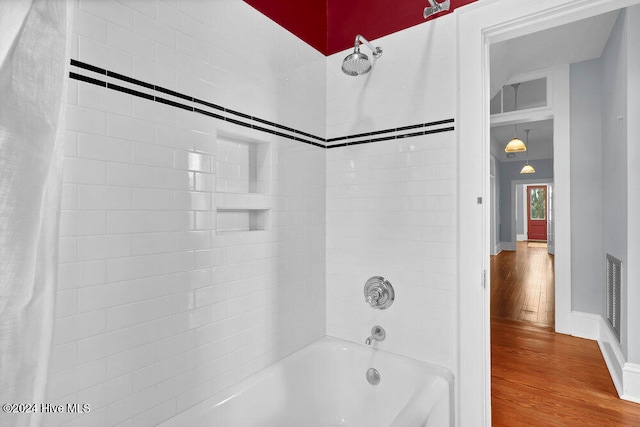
(377, 51)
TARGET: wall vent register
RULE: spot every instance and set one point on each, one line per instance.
(614, 284)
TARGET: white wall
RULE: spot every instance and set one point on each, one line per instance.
(587, 257)
(391, 205)
(156, 310)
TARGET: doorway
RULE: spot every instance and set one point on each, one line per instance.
(537, 213)
(479, 29)
(519, 292)
(522, 272)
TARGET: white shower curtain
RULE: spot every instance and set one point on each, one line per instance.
(34, 46)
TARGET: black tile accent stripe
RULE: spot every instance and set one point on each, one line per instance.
(341, 145)
(400, 129)
(208, 104)
(173, 103)
(207, 113)
(409, 127)
(88, 67)
(174, 93)
(392, 137)
(129, 91)
(87, 79)
(292, 135)
(441, 122)
(130, 80)
(239, 114)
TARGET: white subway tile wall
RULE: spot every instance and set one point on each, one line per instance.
(413, 82)
(391, 206)
(156, 309)
(236, 164)
(391, 213)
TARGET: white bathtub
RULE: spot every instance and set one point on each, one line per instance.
(324, 384)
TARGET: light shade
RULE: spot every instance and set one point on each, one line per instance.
(527, 169)
(514, 146)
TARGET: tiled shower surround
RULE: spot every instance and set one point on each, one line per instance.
(158, 307)
(389, 213)
(392, 205)
(202, 241)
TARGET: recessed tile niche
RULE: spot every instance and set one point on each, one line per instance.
(242, 183)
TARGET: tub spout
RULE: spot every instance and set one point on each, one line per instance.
(377, 333)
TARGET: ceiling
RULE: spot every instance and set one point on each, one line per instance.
(567, 44)
(331, 26)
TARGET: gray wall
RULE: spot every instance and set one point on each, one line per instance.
(605, 112)
(510, 171)
(633, 183)
(587, 270)
(614, 150)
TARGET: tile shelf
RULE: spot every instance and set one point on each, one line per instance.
(242, 183)
(242, 201)
(237, 220)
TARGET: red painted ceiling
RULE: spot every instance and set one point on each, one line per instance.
(332, 25)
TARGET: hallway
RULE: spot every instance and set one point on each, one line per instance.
(522, 284)
(538, 377)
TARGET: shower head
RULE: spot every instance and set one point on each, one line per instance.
(358, 63)
(436, 7)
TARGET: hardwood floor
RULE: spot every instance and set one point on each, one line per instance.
(538, 377)
(522, 284)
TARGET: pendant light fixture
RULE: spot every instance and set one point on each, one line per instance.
(527, 168)
(516, 144)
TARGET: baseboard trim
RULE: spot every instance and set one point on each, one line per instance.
(612, 354)
(507, 246)
(584, 325)
(625, 376)
(520, 237)
(631, 382)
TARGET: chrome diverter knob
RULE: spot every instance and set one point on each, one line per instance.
(379, 293)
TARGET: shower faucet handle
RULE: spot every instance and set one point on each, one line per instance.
(379, 293)
(373, 297)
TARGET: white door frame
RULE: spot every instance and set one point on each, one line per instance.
(479, 25)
